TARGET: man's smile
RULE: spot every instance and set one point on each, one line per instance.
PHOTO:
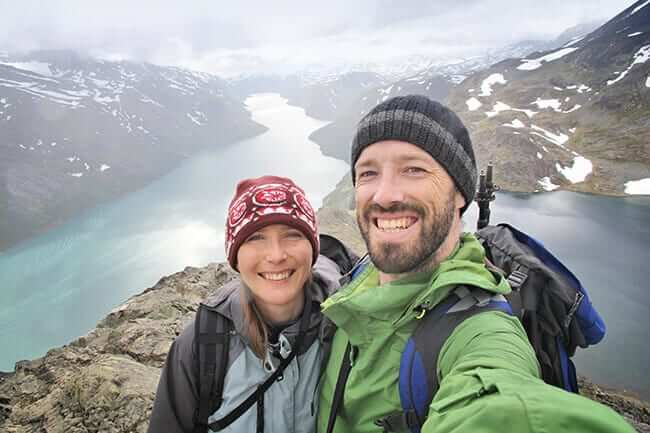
(393, 224)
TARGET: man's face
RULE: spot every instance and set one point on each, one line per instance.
(406, 205)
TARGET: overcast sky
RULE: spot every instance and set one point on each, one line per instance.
(242, 36)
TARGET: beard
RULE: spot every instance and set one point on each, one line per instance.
(415, 255)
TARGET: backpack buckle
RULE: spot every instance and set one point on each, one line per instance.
(516, 279)
(400, 421)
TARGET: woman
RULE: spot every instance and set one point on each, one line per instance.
(269, 317)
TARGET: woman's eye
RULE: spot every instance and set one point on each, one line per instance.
(295, 234)
(254, 237)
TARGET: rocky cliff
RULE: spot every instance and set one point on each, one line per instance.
(105, 381)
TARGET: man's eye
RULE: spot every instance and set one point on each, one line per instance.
(414, 170)
(366, 174)
(254, 237)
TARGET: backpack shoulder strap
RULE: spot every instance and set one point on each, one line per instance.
(418, 379)
(211, 343)
(337, 399)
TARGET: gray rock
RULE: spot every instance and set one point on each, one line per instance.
(106, 380)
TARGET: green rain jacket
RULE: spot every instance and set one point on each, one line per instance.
(489, 376)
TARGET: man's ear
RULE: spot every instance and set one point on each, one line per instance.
(459, 200)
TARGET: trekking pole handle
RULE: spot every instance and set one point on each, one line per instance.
(485, 195)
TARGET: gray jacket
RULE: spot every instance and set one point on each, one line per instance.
(289, 404)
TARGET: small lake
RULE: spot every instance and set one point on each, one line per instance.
(56, 287)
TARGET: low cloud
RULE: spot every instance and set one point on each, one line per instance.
(246, 36)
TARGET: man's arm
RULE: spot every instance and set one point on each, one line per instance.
(177, 395)
(489, 381)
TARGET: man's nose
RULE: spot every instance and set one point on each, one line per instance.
(275, 251)
(388, 191)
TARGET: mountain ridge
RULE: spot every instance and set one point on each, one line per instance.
(138, 121)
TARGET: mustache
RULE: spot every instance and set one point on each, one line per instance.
(395, 207)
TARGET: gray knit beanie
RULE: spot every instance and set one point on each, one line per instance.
(425, 123)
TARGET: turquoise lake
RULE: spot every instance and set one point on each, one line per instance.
(57, 286)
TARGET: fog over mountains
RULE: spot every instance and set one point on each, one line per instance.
(76, 131)
(571, 113)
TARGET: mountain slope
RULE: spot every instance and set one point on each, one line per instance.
(577, 117)
(435, 79)
(334, 139)
(76, 131)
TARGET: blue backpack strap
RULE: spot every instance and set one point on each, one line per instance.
(418, 379)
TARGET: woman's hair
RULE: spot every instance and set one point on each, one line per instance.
(255, 327)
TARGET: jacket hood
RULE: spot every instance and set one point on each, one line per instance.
(325, 275)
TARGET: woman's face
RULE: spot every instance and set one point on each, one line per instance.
(275, 262)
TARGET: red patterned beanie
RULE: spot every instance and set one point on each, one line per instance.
(264, 201)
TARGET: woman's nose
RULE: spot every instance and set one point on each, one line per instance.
(275, 252)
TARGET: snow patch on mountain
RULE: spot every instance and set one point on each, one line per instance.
(40, 68)
(631, 35)
(486, 85)
(546, 184)
(647, 81)
(194, 119)
(516, 124)
(532, 64)
(557, 139)
(70, 98)
(578, 171)
(473, 104)
(573, 41)
(638, 8)
(638, 187)
(640, 57)
(555, 104)
(500, 106)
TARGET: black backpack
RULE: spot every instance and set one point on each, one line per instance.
(551, 303)
(212, 333)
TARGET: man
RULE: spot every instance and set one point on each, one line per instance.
(414, 172)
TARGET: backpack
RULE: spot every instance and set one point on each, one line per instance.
(211, 343)
(551, 303)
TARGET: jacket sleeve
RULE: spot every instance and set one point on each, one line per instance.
(177, 395)
(489, 382)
